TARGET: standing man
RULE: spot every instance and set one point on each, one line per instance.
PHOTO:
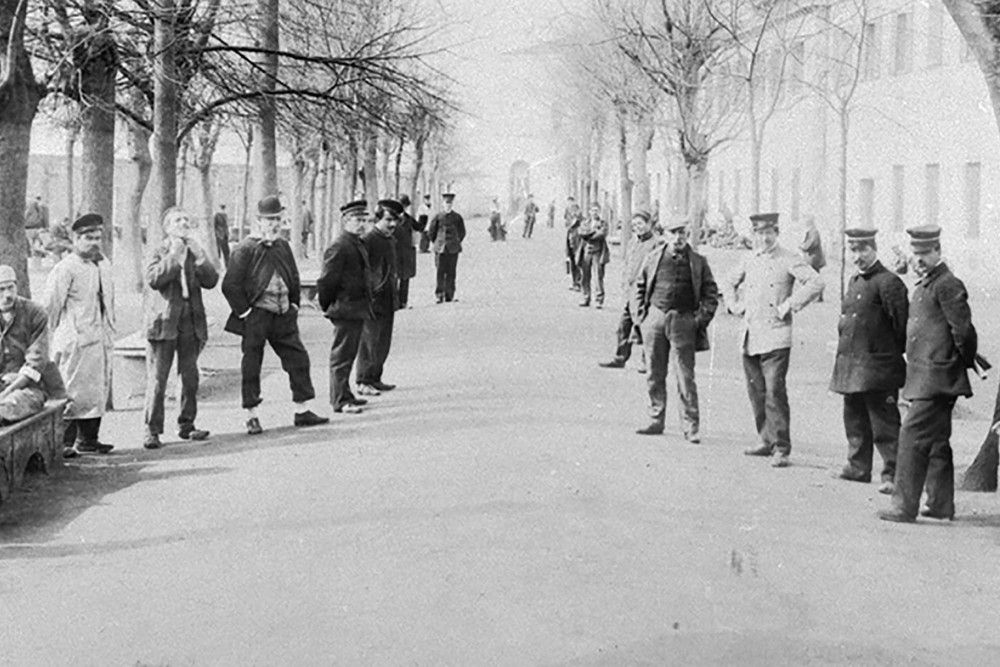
(869, 368)
(676, 298)
(81, 308)
(550, 222)
(530, 214)
(812, 247)
(423, 220)
(344, 291)
(776, 283)
(262, 288)
(593, 255)
(645, 241)
(220, 223)
(406, 254)
(446, 232)
(308, 223)
(940, 347)
(24, 352)
(376, 336)
(572, 219)
(175, 323)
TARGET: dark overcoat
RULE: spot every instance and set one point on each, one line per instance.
(382, 259)
(406, 253)
(447, 231)
(250, 269)
(165, 302)
(940, 339)
(344, 287)
(706, 291)
(872, 331)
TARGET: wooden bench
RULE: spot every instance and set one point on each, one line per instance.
(31, 445)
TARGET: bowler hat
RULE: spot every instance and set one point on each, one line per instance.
(391, 205)
(404, 200)
(270, 207)
(87, 221)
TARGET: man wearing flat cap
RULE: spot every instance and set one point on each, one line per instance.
(344, 291)
(869, 368)
(766, 290)
(376, 335)
(676, 297)
(81, 311)
(940, 348)
(446, 232)
(627, 333)
(592, 256)
(25, 373)
(263, 290)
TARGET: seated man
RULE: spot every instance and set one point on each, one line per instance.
(24, 351)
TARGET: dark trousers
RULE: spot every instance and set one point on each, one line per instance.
(592, 268)
(343, 351)
(425, 242)
(159, 358)
(404, 292)
(529, 227)
(447, 264)
(82, 431)
(376, 339)
(223, 243)
(282, 332)
(765, 374)
(871, 421)
(624, 335)
(925, 457)
(670, 338)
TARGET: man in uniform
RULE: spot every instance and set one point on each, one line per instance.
(344, 291)
(24, 352)
(572, 219)
(940, 347)
(530, 215)
(406, 254)
(81, 309)
(645, 241)
(175, 323)
(775, 284)
(220, 224)
(676, 297)
(446, 232)
(376, 336)
(869, 367)
(423, 220)
(593, 255)
(262, 288)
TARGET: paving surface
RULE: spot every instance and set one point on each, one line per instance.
(497, 508)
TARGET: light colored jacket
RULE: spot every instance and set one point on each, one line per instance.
(638, 252)
(775, 284)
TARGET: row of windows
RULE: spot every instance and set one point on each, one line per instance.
(900, 60)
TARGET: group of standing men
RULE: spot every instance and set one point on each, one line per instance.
(587, 251)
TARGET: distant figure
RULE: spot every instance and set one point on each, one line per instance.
(59, 242)
(551, 220)
(446, 231)
(220, 222)
(423, 221)
(592, 256)
(812, 248)
(571, 219)
(406, 254)
(497, 230)
(530, 213)
(36, 220)
(308, 222)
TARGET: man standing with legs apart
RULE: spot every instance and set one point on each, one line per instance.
(940, 347)
(446, 231)
(262, 288)
(593, 255)
(645, 241)
(676, 298)
(869, 368)
(376, 336)
(344, 290)
(406, 253)
(775, 284)
(175, 323)
(81, 310)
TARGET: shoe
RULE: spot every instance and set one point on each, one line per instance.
(641, 370)
(349, 408)
(780, 461)
(151, 441)
(70, 453)
(654, 428)
(585, 304)
(692, 437)
(94, 447)
(192, 433)
(368, 390)
(887, 487)
(931, 514)
(598, 305)
(382, 386)
(253, 426)
(614, 363)
(440, 299)
(357, 401)
(310, 418)
(847, 472)
(895, 516)
(763, 450)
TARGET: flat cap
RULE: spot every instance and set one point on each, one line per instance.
(87, 221)
(675, 225)
(763, 220)
(391, 205)
(270, 207)
(7, 274)
(354, 207)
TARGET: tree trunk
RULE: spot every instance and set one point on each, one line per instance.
(386, 151)
(182, 165)
(979, 28)
(418, 167)
(371, 167)
(624, 189)
(697, 199)
(71, 135)
(321, 182)
(755, 158)
(399, 161)
(842, 196)
(138, 143)
(640, 164)
(267, 145)
(298, 194)
(351, 179)
(97, 88)
(244, 218)
(164, 116)
(208, 207)
(321, 213)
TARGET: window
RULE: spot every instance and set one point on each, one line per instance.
(871, 52)
(902, 61)
(796, 193)
(932, 193)
(973, 174)
(774, 189)
(935, 34)
(866, 203)
(898, 197)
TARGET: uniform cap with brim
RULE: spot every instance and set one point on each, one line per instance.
(761, 221)
(87, 221)
(354, 207)
(924, 236)
(859, 235)
(448, 196)
(7, 274)
(391, 205)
